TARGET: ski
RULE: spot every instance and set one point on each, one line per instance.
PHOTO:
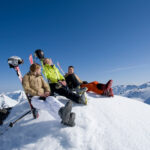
(31, 59)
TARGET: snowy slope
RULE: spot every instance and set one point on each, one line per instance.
(141, 92)
(117, 123)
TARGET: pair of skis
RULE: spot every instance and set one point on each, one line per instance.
(14, 63)
(33, 110)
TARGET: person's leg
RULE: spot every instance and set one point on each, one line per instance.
(94, 82)
(68, 94)
(64, 91)
(101, 86)
(90, 86)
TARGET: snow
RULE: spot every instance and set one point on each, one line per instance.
(117, 123)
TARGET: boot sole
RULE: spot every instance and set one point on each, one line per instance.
(109, 85)
(66, 113)
(72, 122)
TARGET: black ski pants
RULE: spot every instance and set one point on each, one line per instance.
(64, 91)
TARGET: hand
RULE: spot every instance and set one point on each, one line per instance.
(47, 94)
(63, 83)
(40, 94)
(85, 82)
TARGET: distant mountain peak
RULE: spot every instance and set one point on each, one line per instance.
(6, 101)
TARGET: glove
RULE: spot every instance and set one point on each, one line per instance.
(42, 98)
(85, 82)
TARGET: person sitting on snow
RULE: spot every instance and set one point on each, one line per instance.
(35, 86)
(58, 84)
(74, 81)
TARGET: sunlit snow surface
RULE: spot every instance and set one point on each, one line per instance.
(116, 123)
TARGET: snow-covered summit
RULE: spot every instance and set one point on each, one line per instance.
(117, 123)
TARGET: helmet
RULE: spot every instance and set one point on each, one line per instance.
(14, 61)
(39, 53)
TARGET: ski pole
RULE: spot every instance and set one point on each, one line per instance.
(11, 124)
(60, 68)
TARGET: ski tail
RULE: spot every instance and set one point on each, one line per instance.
(31, 59)
(17, 69)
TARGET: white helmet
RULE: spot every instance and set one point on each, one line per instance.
(14, 61)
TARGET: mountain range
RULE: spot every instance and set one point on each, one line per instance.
(139, 92)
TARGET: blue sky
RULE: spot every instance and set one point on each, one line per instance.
(102, 39)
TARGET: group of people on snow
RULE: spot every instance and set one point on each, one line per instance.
(43, 93)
